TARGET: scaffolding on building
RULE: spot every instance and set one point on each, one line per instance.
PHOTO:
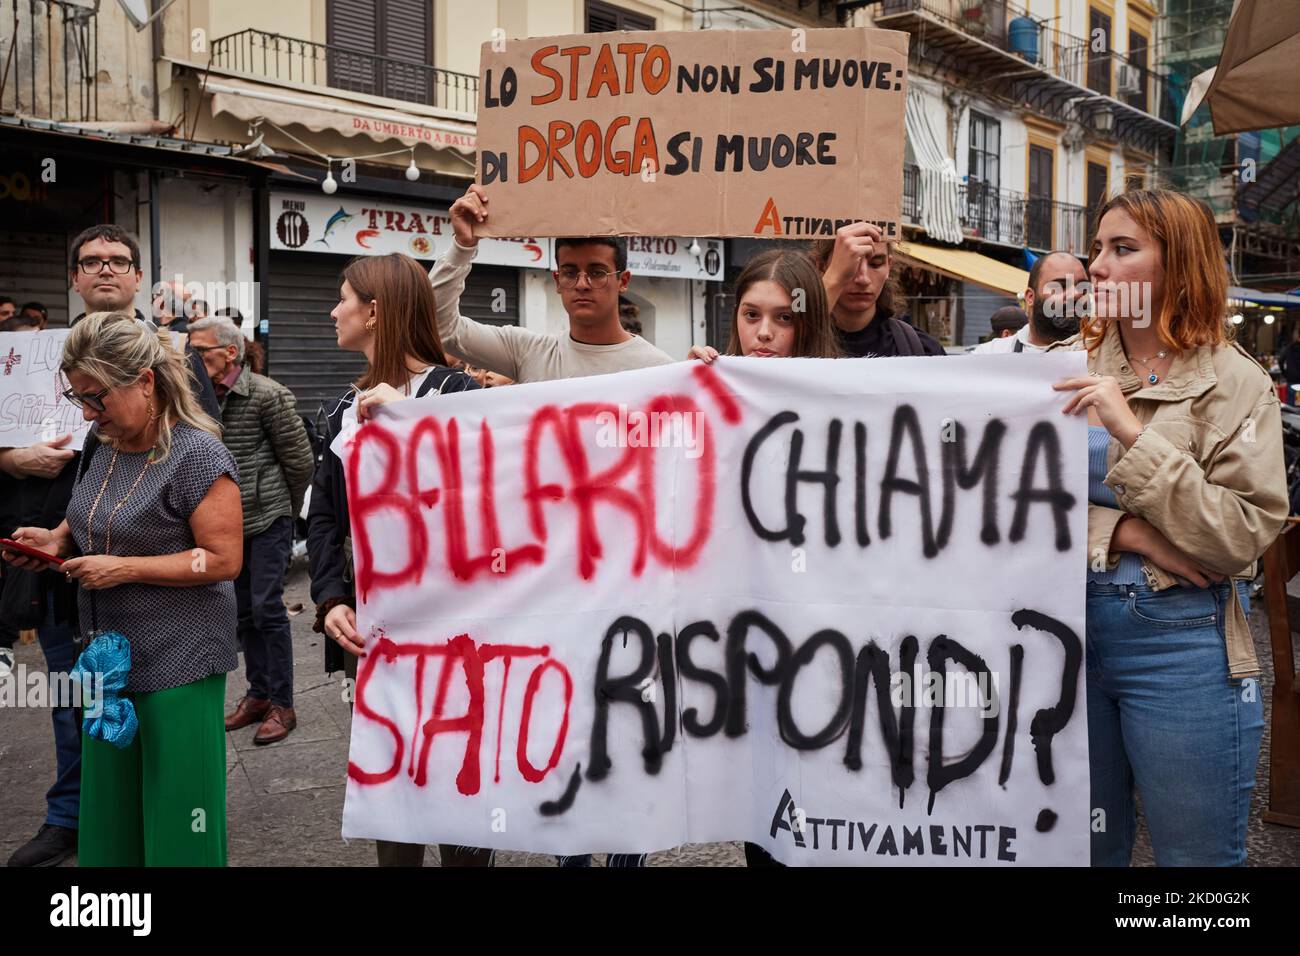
(1214, 168)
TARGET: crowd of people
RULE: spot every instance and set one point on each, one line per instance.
(179, 508)
(30, 317)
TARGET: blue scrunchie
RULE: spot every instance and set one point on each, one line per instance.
(105, 665)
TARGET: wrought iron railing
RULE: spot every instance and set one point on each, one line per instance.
(1007, 26)
(292, 60)
(911, 193)
(49, 56)
(1052, 226)
(1001, 215)
(1004, 216)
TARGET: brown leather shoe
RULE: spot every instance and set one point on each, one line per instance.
(249, 711)
(278, 724)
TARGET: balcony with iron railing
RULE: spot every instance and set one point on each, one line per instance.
(1033, 62)
(1011, 218)
(990, 214)
(283, 59)
(1008, 28)
(49, 55)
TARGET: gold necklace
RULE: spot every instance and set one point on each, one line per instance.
(108, 528)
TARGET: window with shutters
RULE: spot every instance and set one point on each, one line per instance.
(984, 177)
(381, 47)
(605, 18)
(1098, 181)
(1137, 58)
(1039, 211)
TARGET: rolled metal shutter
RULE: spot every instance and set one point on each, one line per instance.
(34, 267)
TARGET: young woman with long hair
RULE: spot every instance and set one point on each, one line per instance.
(781, 311)
(385, 312)
(767, 322)
(1186, 491)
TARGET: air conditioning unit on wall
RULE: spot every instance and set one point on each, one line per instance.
(1128, 78)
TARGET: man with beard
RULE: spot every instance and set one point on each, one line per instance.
(1055, 301)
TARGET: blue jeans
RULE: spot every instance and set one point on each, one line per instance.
(63, 800)
(1164, 718)
(263, 620)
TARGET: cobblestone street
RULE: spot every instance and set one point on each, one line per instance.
(285, 801)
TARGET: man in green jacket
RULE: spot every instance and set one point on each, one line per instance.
(263, 431)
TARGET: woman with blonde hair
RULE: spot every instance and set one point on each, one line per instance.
(1186, 490)
(152, 538)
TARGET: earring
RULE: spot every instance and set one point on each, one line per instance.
(370, 325)
(153, 415)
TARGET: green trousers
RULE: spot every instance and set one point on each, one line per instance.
(162, 800)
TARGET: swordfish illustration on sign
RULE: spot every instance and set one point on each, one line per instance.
(342, 217)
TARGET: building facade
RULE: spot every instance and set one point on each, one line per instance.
(1251, 180)
(1022, 120)
(281, 139)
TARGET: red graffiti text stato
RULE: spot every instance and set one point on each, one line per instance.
(460, 654)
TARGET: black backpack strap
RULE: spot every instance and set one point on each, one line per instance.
(444, 379)
(905, 337)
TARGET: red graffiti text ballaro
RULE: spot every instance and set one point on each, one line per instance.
(624, 491)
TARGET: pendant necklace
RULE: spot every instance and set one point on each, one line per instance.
(1152, 377)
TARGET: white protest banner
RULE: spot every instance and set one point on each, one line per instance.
(774, 133)
(32, 406)
(835, 607)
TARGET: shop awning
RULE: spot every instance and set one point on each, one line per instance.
(1256, 66)
(285, 106)
(965, 265)
(1255, 297)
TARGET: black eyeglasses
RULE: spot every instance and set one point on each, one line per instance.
(95, 401)
(209, 348)
(118, 265)
(568, 277)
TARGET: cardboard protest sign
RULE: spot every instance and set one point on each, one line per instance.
(836, 610)
(715, 133)
(32, 406)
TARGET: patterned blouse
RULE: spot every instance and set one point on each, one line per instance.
(178, 635)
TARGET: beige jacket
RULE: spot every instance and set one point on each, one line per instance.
(1207, 470)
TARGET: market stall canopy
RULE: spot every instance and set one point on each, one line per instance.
(1254, 85)
(1255, 297)
(966, 266)
(247, 100)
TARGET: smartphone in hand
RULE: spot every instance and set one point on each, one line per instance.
(8, 544)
